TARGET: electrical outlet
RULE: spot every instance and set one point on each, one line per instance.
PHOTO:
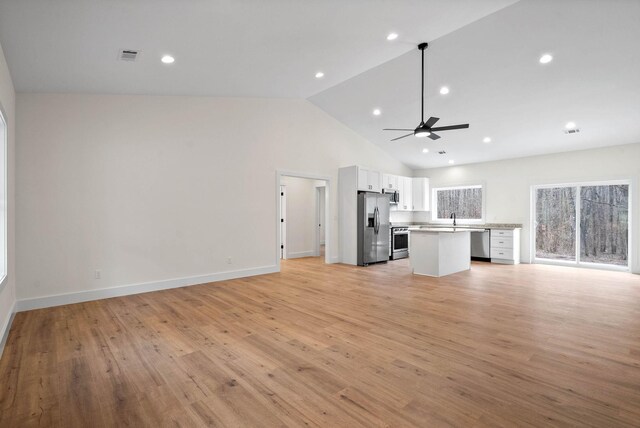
(229, 261)
(97, 274)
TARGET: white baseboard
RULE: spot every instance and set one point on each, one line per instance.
(301, 254)
(145, 287)
(6, 326)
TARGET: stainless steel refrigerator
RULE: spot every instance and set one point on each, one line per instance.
(373, 228)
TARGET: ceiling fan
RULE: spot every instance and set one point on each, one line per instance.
(425, 129)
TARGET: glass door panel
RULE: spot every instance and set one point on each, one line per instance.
(604, 224)
(555, 226)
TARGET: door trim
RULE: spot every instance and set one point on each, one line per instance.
(327, 211)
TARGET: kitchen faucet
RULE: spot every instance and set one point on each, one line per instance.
(453, 216)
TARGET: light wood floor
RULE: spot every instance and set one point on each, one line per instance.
(320, 345)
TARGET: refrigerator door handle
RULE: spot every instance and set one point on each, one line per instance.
(376, 220)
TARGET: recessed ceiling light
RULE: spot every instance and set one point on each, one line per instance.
(392, 36)
(377, 112)
(570, 125)
(444, 90)
(168, 59)
(319, 75)
(486, 140)
(425, 150)
(451, 162)
(545, 59)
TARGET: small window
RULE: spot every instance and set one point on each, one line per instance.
(467, 202)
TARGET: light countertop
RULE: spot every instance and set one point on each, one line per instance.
(462, 226)
(428, 229)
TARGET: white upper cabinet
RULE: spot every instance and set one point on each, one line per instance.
(414, 192)
(390, 181)
(375, 180)
(405, 187)
(363, 179)
(421, 197)
(369, 180)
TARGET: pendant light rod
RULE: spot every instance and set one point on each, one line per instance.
(425, 129)
(422, 47)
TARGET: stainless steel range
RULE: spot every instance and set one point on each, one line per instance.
(399, 242)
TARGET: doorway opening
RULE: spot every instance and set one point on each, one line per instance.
(302, 211)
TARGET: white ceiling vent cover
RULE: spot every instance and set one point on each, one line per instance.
(128, 54)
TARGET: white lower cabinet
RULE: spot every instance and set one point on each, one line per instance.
(502, 253)
(505, 246)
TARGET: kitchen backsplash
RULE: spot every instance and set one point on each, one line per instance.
(409, 217)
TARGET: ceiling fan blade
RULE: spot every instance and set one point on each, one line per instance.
(433, 136)
(404, 136)
(396, 129)
(449, 128)
(431, 121)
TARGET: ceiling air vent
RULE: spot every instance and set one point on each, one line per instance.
(572, 131)
(442, 152)
(128, 54)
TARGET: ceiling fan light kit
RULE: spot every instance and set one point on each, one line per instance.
(425, 129)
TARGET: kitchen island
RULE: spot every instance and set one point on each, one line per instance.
(440, 251)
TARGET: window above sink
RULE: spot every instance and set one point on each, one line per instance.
(466, 202)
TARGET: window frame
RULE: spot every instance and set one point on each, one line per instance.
(577, 262)
(434, 203)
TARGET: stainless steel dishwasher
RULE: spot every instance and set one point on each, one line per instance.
(481, 245)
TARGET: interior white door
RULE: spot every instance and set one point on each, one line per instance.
(283, 222)
(321, 210)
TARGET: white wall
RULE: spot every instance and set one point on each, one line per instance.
(301, 216)
(7, 106)
(134, 185)
(508, 183)
(409, 216)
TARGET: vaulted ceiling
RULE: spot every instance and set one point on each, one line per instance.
(256, 48)
(485, 51)
(497, 85)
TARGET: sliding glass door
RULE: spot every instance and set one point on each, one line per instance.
(604, 224)
(582, 224)
(556, 223)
